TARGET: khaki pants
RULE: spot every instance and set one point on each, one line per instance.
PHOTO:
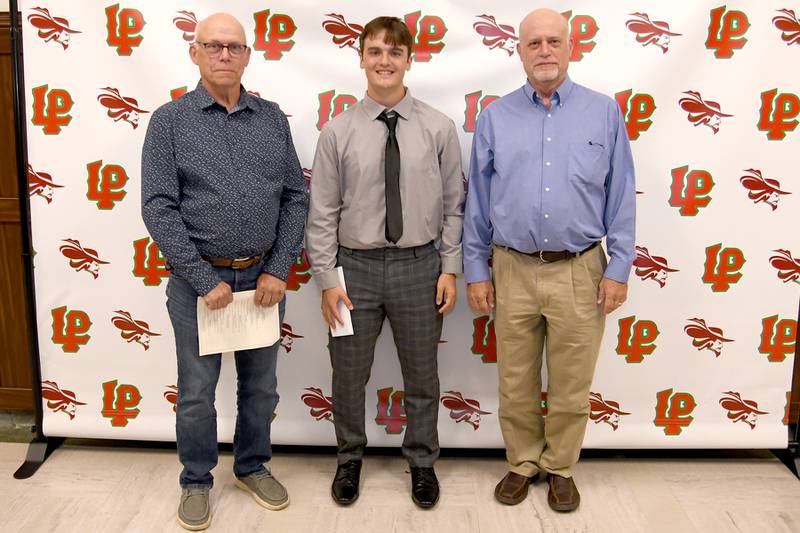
(552, 305)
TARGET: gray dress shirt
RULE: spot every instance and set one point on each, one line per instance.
(348, 207)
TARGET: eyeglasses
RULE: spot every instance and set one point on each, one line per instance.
(215, 49)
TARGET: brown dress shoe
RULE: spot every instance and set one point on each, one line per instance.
(563, 495)
(513, 488)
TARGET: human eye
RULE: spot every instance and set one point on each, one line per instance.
(237, 48)
(213, 47)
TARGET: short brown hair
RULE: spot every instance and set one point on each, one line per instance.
(396, 32)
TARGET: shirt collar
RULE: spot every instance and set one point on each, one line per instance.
(204, 100)
(402, 108)
(560, 95)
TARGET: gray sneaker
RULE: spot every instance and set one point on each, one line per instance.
(194, 512)
(265, 489)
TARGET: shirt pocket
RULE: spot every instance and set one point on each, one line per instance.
(588, 164)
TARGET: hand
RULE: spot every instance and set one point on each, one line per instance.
(219, 297)
(480, 296)
(330, 305)
(269, 290)
(611, 294)
(446, 292)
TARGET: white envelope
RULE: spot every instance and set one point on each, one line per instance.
(342, 330)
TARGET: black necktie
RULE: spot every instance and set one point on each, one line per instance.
(394, 207)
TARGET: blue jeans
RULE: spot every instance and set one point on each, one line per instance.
(196, 417)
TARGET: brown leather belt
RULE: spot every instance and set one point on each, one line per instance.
(237, 264)
(552, 257)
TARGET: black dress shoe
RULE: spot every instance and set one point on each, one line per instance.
(345, 483)
(424, 486)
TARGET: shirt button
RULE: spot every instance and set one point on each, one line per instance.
(546, 215)
(548, 139)
(546, 240)
(547, 189)
(549, 115)
(547, 163)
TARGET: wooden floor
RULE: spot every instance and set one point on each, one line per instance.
(85, 489)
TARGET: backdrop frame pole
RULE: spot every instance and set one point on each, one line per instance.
(41, 446)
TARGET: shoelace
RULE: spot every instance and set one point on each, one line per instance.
(265, 473)
(425, 478)
(347, 470)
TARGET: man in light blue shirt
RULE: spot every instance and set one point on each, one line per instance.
(551, 174)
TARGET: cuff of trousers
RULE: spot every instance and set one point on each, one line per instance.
(523, 471)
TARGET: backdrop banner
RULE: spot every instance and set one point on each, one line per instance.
(701, 355)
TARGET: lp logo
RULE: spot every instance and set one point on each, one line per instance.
(583, 30)
(722, 267)
(778, 114)
(124, 27)
(673, 411)
(426, 35)
(273, 34)
(690, 190)
(106, 184)
(148, 263)
(636, 338)
(778, 338)
(70, 329)
(51, 109)
(637, 110)
(331, 105)
(726, 32)
(119, 403)
(476, 103)
(391, 410)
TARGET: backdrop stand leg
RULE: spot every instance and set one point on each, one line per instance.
(38, 451)
(790, 456)
(40, 447)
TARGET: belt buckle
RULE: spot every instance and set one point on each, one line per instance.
(240, 262)
(541, 257)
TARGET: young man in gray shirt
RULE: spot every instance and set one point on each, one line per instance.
(387, 184)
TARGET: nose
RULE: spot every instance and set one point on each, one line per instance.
(225, 53)
(545, 50)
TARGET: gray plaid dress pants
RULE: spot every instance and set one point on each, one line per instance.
(398, 283)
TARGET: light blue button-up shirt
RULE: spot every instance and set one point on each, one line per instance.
(550, 179)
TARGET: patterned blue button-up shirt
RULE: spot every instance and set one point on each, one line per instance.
(219, 184)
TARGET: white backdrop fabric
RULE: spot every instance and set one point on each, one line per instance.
(699, 356)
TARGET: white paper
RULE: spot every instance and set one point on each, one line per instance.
(342, 330)
(241, 325)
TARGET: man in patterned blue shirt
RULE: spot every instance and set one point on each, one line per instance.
(223, 196)
(551, 174)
